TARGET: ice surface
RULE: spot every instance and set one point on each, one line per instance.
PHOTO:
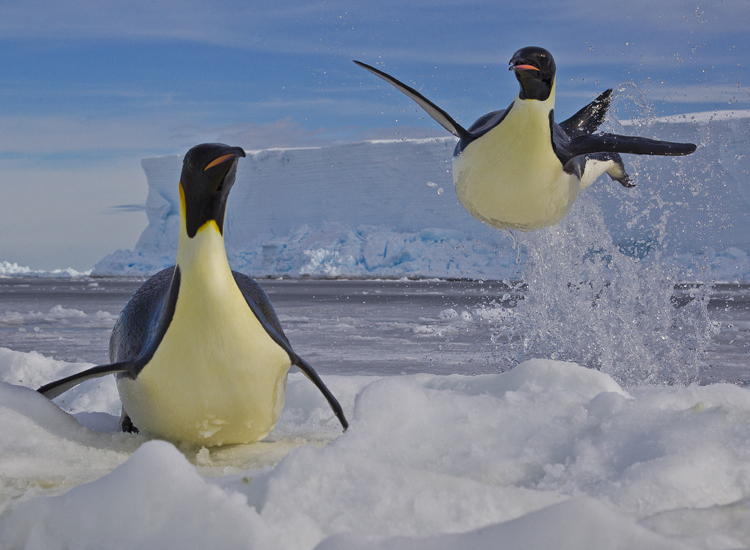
(374, 208)
(547, 455)
(8, 269)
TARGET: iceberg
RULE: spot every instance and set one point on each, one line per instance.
(388, 209)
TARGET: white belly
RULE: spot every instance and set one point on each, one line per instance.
(510, 178)
(217, 377)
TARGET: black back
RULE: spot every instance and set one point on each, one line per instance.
(138, 322)
(145, 318)
(481, 126)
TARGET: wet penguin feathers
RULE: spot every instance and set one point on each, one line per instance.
(535, 71)
(517, 168)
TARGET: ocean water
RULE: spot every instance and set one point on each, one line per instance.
(385, 327)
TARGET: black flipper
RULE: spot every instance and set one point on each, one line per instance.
(587, 120)
(253, 292)
(136, 335)
(53, 389)
(440, 116)
(261, 306)
(613, 143)
(308, 371)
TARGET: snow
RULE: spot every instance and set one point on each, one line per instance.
(546, 455)
(388, 209)
(59, 314)
(8, 269)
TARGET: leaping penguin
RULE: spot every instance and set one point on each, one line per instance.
(517, 168)
(198, 351)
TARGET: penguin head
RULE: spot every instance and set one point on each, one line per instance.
(208, 172)
(535, 70)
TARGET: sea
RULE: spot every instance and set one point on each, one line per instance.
(370, 327)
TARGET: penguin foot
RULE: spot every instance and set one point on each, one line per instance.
(126, 425)
(617, 173)
(625, 181)
(616, 170)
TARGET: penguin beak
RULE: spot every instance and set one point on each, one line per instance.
(525, 68)
(234, 153)
(222, 158)
(222, 169)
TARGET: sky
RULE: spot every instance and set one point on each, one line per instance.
(89, 88)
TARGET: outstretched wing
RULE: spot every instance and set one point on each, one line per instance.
(53, 389)
(440, 116)
(587, 120)
(308, 371)
(137, 334)
(261, 306)
(633, 145)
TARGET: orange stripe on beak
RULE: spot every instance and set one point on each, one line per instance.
(222, 158)
(526, 67)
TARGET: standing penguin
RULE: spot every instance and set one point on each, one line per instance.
(198, 351)
(517, 168)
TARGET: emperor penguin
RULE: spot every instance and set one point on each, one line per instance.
(518, 169)
(198, 352)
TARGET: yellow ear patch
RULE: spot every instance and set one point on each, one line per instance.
(182, 201)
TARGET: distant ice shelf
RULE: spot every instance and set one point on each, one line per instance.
(12, 269)
(388, 209)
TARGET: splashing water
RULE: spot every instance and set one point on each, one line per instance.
(588, 302)
(615, 307)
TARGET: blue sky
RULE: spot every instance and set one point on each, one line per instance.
(89, 88)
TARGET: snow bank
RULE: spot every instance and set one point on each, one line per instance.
(547, 455)
(388, 208)
(8, 269)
